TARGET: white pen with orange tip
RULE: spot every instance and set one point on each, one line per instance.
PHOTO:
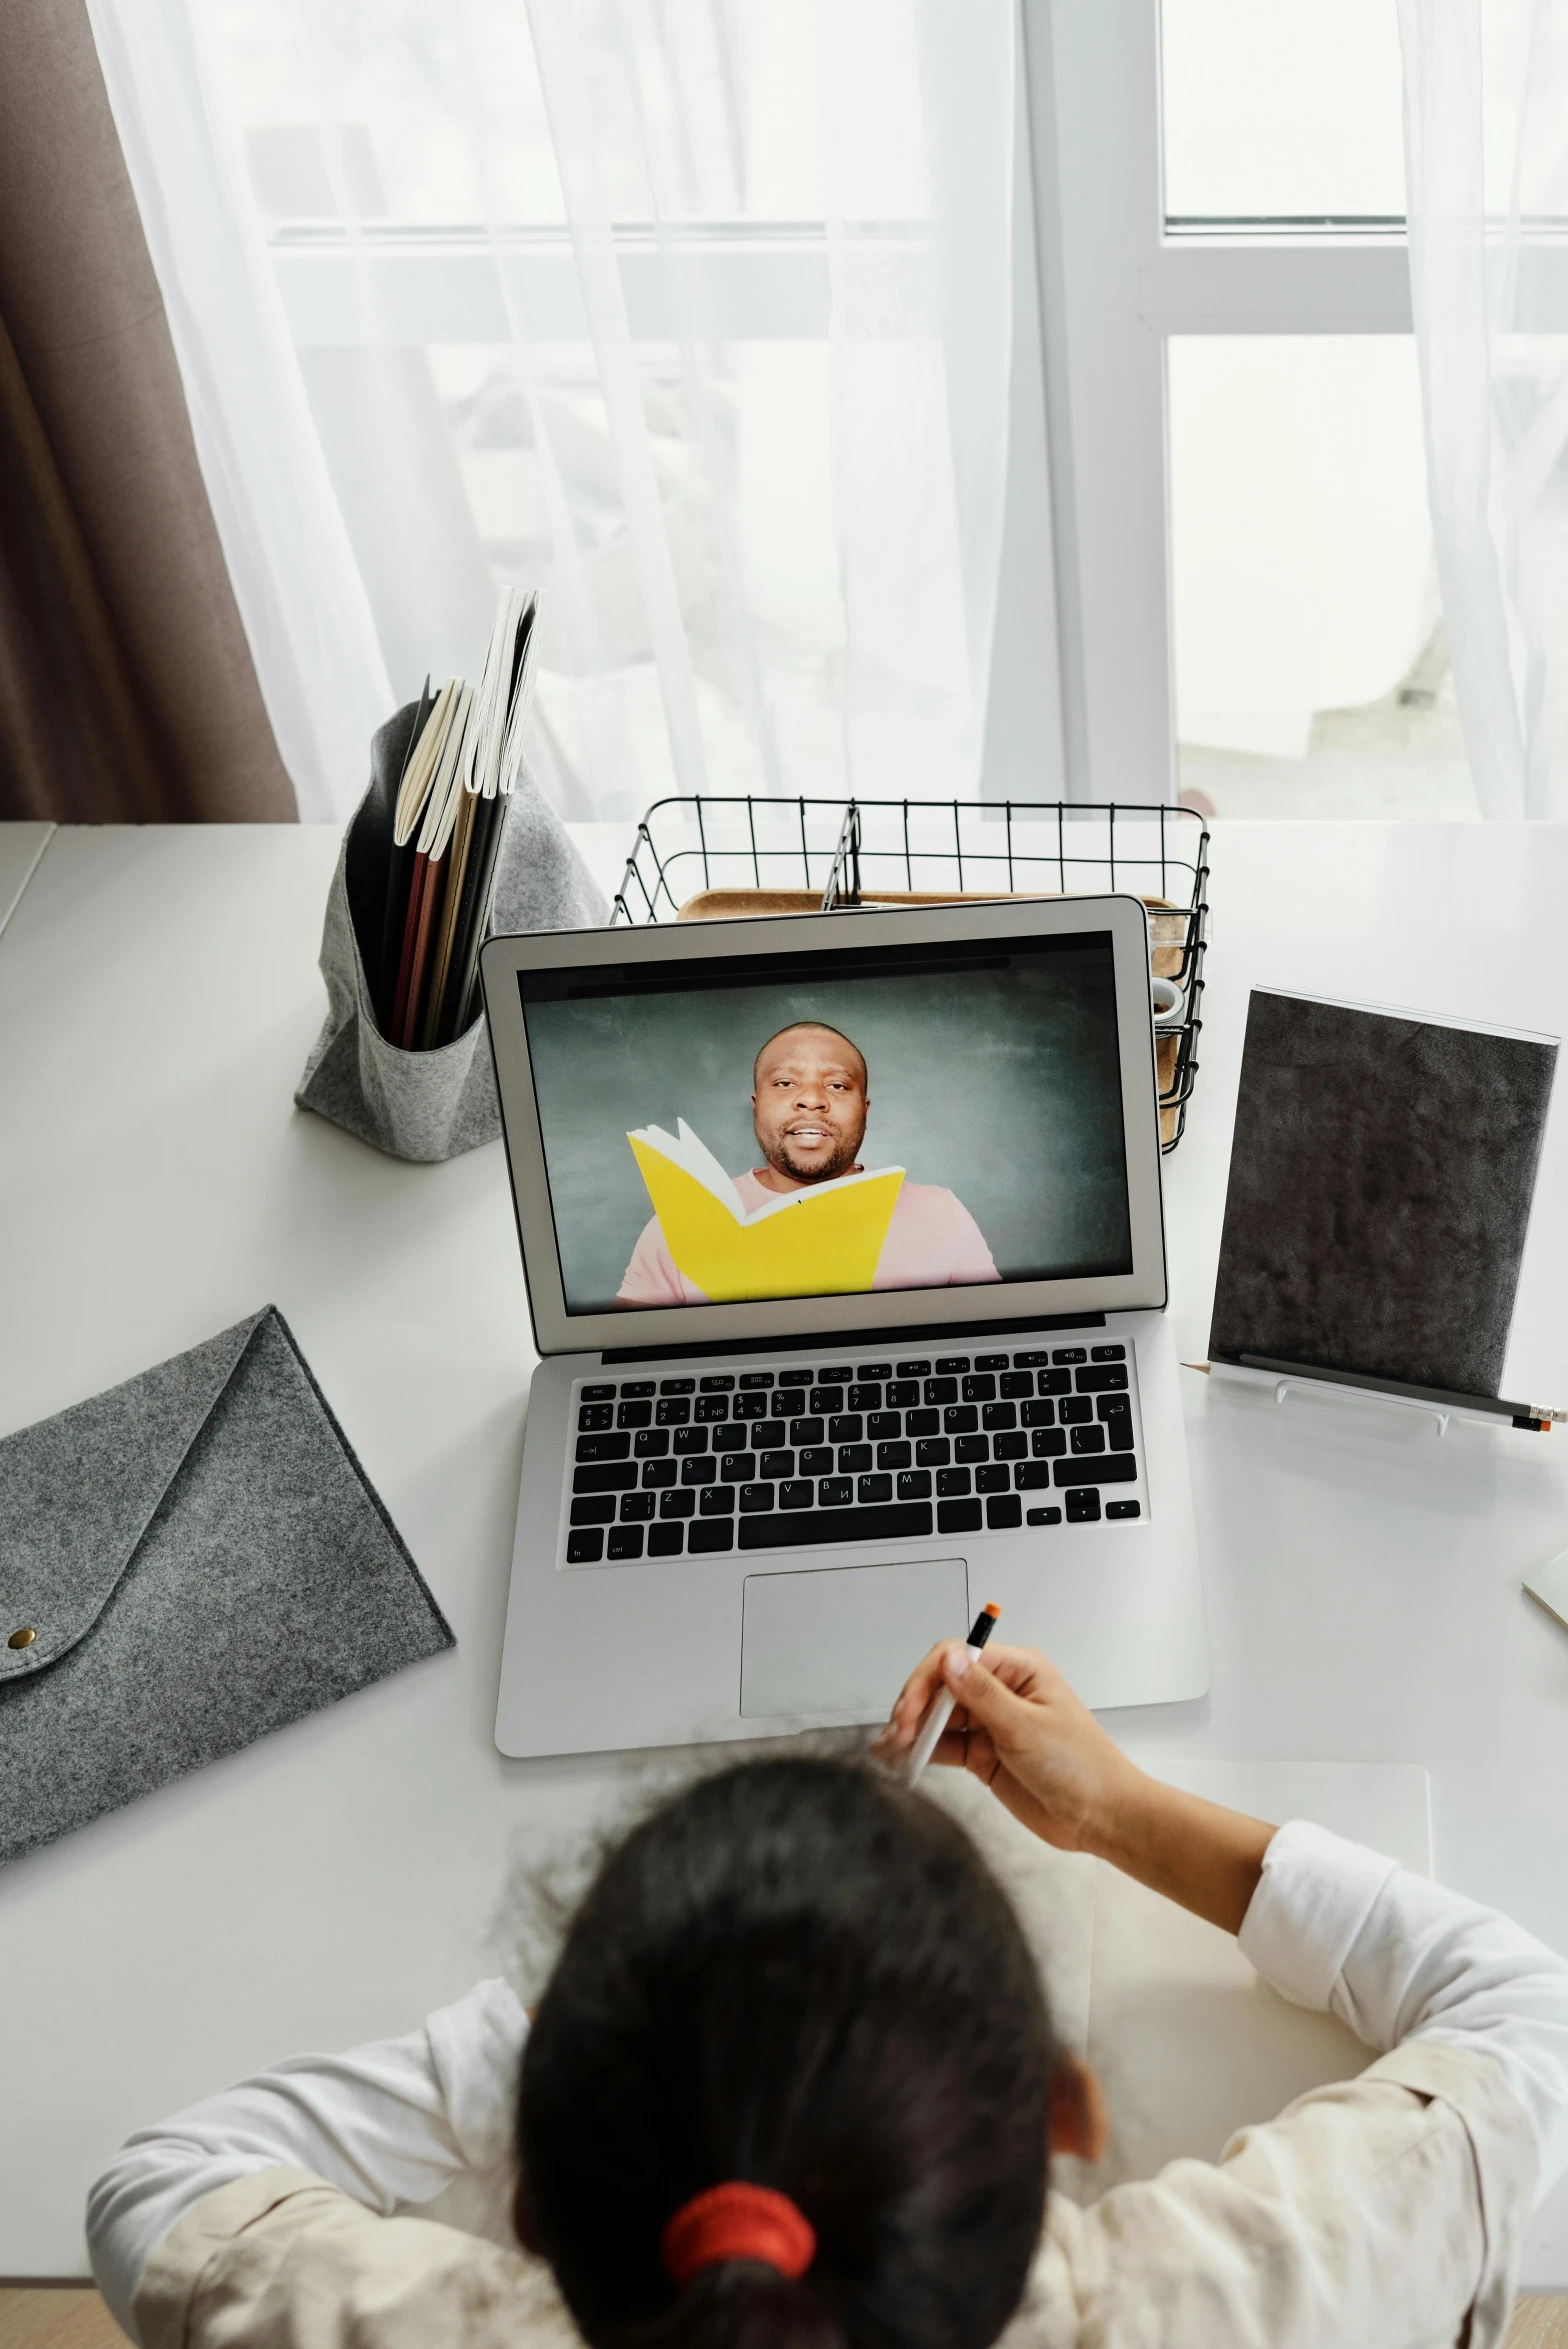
(941, 1711)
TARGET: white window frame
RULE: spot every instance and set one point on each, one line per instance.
(1113, 288)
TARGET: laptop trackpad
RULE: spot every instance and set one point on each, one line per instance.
(842, 1642)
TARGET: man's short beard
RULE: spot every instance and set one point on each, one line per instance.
(841, 1161)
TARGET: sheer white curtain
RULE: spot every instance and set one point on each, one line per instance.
(696, 313)
(1486, 134)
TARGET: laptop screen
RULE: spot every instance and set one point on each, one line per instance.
(824, 1123)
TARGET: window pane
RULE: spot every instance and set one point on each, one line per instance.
(1276, 111)
(1311, 675)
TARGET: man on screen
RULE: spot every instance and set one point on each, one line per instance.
(809, 1103)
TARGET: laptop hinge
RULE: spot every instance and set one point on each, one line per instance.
(855, 1341)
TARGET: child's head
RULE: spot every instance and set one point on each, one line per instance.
(798, 1974)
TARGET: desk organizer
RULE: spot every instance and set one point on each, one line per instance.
(427, 1105)
(708, 859)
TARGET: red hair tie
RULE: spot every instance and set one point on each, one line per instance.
(738, 2221)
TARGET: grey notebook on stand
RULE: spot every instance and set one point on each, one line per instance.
(1381, 1174)
(186, 1562)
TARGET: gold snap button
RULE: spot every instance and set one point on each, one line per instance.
(21, 1639)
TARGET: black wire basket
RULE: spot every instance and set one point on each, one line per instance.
(708, 857)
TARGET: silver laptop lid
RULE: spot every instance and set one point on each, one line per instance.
(881, 1120)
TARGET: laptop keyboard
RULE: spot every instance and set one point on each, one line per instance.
(893, 1450)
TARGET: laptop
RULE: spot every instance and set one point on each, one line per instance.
(845, 1257)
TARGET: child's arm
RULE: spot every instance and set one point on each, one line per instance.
(393, 2122)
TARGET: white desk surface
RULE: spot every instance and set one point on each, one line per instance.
(158, 994)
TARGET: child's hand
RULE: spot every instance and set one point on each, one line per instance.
(1018, 1725)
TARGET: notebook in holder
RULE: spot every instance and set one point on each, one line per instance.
(186, 1562)
(1381, 1174)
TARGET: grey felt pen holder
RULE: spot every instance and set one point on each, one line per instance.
(437, 1104)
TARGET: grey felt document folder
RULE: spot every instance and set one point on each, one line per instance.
(186, 1562)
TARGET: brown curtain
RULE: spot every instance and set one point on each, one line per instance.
(127, 690)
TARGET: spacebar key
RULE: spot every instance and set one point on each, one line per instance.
(904, 1521)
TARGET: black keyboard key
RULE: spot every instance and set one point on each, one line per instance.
(1113, 1407)
(713, 1410)
(672, 1411)
(915, 1484)
(952, 1365)
(991, 1361)
(651, 1443)
(933, 1451)
(1038, 1414)
(980, 1388)
(826, 1399)
(594, 1418)
(716, 1500)
(598, 1394)
(677, 1504)
(666, 1541)
(656, 1474)
(1053, 1382)
(755, 1498)
(596, 1509)
(637, 1508)
(899, 1521)
(1032, 1476)
(1107, 1353)
(971, 1448)
(847, 1428)
(1048, 1443)
(769, 1435)
(1108, 1379)
(1074, 1410)
(751, 1406)
(614, 1479)
(953, 1480)
(752, 1379)
(1115, 1468)
(866, 1397)
(738, 1467)
(836, 1492)
(715, 1533)
(626, 1542)
(836, 1373)
(689, 1440)
(720, 1384)
(960, 1419)
(773, 1465)
(585, 1548)
(1122, 1508)
(913, 1369)
(901, 1393)
(883, 1425)
(958, 1516)
(995, 1415)
(787, 1378)
(1083, 1508)
(922, 1423)
(1003, 1510)
(807, 1431)
(796, 1494)
(1088, 1439)
(872, 1489)
(1010, 1447)
(701, 1471)
(941, 1390)
(995, 1477)
(1031, 1361)
(1015, 1382)
(897, 1455)
(1042, 1517)
(875, 1370)
(677, 1386)
(1068, 1354)
(852, 1458)
(637, 1386)
(603, 1447)
(816, 1460)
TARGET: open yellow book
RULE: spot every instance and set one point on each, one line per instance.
(812, 1243)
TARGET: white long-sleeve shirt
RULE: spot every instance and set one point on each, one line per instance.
(1385, 2211)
